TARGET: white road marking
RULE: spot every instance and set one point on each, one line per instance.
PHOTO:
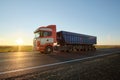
(53, 64)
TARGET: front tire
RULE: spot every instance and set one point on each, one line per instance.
(49, 50)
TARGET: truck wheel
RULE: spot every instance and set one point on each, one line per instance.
(42, 52)
(48, 50)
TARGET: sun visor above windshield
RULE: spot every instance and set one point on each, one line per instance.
(42, 29)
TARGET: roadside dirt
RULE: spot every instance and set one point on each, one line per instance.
(104, 68)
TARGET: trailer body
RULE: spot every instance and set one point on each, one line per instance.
(65, 37)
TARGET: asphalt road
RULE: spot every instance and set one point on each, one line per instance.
(20, 63)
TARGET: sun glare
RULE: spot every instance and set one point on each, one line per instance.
(19, 41)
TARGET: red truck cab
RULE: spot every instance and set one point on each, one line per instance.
(45, 37)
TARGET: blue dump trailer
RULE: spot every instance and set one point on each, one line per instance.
(69, 41)
(48, 40)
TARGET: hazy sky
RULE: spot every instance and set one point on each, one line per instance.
(19, 18)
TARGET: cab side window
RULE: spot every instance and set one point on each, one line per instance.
(47, 34)
(41, 33)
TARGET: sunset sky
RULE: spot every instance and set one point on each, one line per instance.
(19, 19)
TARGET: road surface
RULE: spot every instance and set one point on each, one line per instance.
(20, 63)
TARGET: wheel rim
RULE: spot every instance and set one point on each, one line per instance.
(49, 49)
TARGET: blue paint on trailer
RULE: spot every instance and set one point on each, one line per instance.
(65, 37)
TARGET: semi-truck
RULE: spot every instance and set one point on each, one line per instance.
(47, 40)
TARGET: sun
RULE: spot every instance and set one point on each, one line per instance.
(19, 41)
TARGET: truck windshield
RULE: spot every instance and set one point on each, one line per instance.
(43, 34)
(37, 35)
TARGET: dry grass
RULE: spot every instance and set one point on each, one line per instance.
(107, 46)
(15, 48)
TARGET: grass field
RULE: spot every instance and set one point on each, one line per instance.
(29, 48)
(107, 46)
(15, 48)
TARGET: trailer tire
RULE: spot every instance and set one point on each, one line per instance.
(49, 49)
